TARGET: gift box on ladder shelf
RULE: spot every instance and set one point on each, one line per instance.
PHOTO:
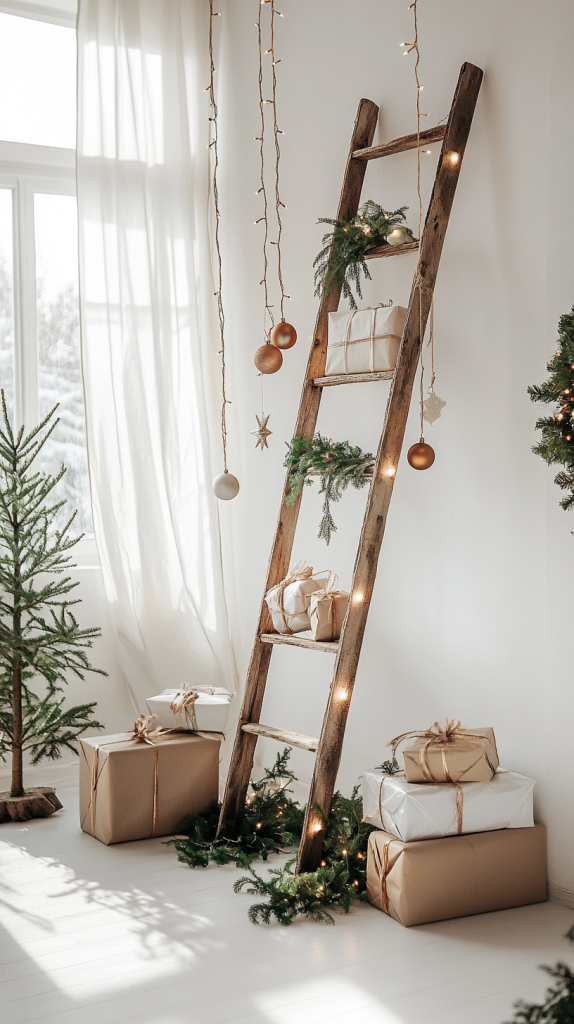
(288, 602)
(365, 340)
(138, 785)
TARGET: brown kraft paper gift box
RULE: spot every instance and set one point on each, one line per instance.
(466, 760)
(122, 807)
(437, 879)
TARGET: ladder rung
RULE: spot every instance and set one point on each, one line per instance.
(390, 250)
(296, 640)
(294, 739)
(352, 378)
(401, 145)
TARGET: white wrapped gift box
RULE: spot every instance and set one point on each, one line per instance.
(413, 811)
(289, 606)
(364, 341)
(207, 714)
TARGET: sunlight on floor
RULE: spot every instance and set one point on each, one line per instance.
(321, 998)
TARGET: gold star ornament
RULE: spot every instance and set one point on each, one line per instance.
(262, 433)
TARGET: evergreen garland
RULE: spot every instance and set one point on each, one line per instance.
(557, 444)
(339, 465)
(341, 878)
(272, 823)
(39, 635)
(558, 1007)
(342, 260)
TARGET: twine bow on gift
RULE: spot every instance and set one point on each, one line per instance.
(144, 732)
(184, 700)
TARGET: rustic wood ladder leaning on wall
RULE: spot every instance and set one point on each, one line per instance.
(329, 745)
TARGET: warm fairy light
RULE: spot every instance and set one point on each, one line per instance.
(390, 471)
(560, 417)
(358, 597)
(355, 882)
(323, 863)
(454, 158)
(344, 852)
(316, 827)
(258, 825)
(342, 694)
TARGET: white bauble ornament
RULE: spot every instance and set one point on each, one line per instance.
(225, 486)
(400, 236)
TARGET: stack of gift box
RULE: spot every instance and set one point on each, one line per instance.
(139, 784)
(454, 833)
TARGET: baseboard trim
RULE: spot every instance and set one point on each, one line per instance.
(560, 895)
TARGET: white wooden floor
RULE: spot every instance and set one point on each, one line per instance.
(125, 933)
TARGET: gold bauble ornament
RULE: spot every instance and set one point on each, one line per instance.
(283, 335)
(421, 455)
(268, 359)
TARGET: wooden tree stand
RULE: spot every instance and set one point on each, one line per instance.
(329, 744)
(38, 802)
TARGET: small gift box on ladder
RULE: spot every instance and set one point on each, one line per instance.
(365, 340)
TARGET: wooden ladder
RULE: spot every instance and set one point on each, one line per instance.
(347, 650)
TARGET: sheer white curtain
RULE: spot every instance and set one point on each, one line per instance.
(149, 337)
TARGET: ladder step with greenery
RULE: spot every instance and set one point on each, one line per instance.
(328, 746)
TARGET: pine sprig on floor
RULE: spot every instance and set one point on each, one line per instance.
(558, 1007)
(272, 823)
(339, 464)
(338, 882)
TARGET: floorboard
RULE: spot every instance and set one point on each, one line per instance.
(96, 935)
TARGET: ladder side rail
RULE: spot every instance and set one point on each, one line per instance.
(332, 733)
(233, 805)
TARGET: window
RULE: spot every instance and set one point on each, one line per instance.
(40, 361)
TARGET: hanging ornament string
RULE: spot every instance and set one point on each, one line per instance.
(421, 455)
(213, 145)
(225, 486)
(277, 335)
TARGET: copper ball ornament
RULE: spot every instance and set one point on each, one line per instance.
(283, 335)
(268, 359)
(421, 455)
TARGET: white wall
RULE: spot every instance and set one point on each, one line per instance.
(473, 601)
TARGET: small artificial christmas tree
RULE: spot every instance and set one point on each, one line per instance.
(39, 636)
(557, 444)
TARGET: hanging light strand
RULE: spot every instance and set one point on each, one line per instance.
(276, 133)
(267, 311)
(213, 146)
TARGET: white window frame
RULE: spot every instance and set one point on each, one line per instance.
(25, 170)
